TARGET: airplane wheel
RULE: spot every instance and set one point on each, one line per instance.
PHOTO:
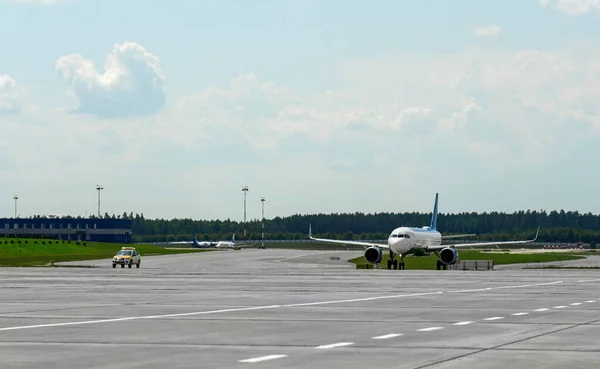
(395, 264)
(402, 266)
(389, 264)
(438, 264)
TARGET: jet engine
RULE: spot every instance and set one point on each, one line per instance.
(373, 255)
(449, 256)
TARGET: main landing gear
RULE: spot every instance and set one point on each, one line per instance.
(440, 265)
(393, 262)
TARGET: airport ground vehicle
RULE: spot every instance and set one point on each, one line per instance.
(127, 256)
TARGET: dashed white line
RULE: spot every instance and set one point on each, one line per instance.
(519, 314)
(386, 336)
(559, 307)
(494, 318)
(575, 303)
(588, 301)
(262, 358)
(542, 309)
(462, 323)
(429, 329)
(333, 345)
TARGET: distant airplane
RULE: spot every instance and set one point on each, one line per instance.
(217, 245)
(409, 240)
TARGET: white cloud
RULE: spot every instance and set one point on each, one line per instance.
(9, 95)
(132, 82)
(489, 30)
(486, 116)
(572, 7)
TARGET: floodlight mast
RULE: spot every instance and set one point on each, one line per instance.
(262, 200)
(245, 190)
(16, 198)
(99, 188)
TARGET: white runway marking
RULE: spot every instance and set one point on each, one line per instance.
(575, 303)
(519, 314)
(542, 309)
(591, 301)
(494, 318)
(472, 290)
(386, 336)
(429, 329)
(333, 345)
(463, 323)
(262, 358)
(140, 317)
(64, 324)
(559, 307)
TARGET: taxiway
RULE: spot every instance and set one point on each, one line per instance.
(295, 309)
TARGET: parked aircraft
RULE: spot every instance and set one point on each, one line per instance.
(410, 240)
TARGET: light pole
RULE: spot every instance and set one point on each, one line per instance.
(245, 189)
(262, 200)
(16, 198)
(99, 188)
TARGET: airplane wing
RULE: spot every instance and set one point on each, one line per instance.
(477, 244)
(342, 242)
(458, 235)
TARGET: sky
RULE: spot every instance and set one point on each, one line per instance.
(319, 106)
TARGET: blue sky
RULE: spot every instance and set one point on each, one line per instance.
(319, 106)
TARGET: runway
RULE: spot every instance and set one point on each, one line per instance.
(295, 309)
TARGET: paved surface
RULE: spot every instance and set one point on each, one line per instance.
(295, 309)
(589, 262)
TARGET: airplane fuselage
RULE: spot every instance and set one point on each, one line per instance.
(225, 245)
(404, 239)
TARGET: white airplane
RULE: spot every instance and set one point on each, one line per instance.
(231, 244)
(409, 240)
(209, 244)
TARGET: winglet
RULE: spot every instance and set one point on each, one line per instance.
(536, 234)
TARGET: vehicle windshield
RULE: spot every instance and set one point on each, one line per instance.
(124, 252)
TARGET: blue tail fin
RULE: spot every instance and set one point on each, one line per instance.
(435, 214)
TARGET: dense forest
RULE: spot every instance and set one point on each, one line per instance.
(556, 226)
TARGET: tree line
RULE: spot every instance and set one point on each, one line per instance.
(556, 226)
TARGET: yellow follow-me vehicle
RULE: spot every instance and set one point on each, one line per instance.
(127, 256)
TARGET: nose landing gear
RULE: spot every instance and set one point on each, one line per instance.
(393, 262)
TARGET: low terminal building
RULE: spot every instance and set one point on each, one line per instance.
(93, 230)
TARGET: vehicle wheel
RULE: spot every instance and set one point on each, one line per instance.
(129, 265)
(137, 265)
(122, 265)
(114, 265)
